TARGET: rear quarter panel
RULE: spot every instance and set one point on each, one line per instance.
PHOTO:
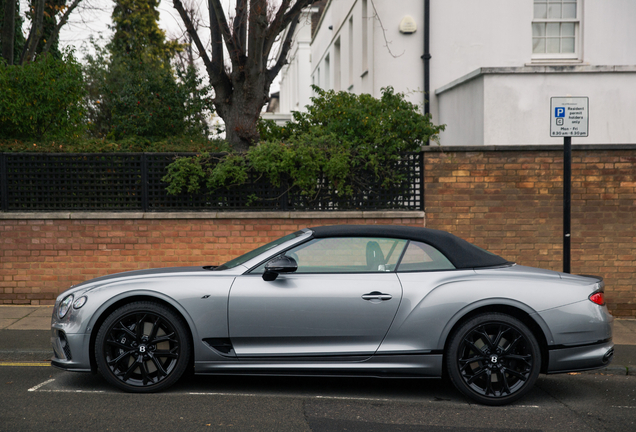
(434, 302)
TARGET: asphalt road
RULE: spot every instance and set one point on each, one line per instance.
(43, 398)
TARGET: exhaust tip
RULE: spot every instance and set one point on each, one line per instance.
(608, 356)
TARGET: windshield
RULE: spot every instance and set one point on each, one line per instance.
(256, 252)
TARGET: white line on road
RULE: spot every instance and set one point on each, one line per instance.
(39, 386)
(42, 384)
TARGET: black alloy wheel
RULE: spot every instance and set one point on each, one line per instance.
(493, 359)
(142, 347)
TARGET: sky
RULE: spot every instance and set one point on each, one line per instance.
(92, 17)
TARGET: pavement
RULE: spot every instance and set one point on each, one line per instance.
(31, 339)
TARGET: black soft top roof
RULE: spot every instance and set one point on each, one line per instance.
(459, 252)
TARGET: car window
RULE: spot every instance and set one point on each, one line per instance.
(422, 257)
(346, 255)
(256, 252)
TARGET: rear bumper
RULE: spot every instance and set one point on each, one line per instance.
(579, 358)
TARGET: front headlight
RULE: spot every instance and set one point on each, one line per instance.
(65, 306)
(79, 302)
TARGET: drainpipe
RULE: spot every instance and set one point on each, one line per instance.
(427, 56)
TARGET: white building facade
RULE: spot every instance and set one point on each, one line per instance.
(494, 64)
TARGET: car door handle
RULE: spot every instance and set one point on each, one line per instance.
(377, 295)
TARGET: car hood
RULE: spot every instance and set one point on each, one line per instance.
(97, 282)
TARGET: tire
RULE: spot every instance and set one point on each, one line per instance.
(493, 358)
(142, 347)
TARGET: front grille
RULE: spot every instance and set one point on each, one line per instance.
(65, 346)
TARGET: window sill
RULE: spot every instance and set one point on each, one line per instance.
(556, 62)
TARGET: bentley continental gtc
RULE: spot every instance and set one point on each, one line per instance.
(373, 301)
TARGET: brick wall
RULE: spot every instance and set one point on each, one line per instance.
(510, 201)
(42, 255)
(507, 200)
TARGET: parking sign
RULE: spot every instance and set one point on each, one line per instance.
(569, 116)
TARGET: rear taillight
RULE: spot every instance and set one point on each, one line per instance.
(598, 298)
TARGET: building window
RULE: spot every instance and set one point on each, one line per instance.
(555, 29)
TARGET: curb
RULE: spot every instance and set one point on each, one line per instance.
(612, 370)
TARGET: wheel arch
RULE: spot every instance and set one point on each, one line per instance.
(536, 325)
(118, 302)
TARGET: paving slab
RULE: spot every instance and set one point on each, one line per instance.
(31, 323)
(42, 311)
(624, 331)
(16, 312)
(6, 322)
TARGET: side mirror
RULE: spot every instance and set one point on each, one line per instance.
(280, 264)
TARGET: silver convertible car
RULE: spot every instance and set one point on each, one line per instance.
(377, 301)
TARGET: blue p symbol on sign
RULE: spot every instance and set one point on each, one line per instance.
(559, 112)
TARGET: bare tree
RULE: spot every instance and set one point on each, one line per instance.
(242, 85)
(36, 32)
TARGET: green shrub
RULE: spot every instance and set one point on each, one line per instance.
(343, 138)
(42, 99)
(129, 144)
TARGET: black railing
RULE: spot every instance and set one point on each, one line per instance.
(132, 181)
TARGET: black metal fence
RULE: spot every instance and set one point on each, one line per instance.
(132, 182)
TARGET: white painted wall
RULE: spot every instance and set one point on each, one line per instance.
(466, 35)
(295, 84)
(392, 58)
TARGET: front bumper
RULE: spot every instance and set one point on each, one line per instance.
(580, 358)
(70, 351)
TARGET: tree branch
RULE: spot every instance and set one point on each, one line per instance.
(280, 23)
(283, 19)
(282, 59)
(239, 29)
(35, 34)
(217, 12)
(195, 38)
(256, 41)
(56, 30)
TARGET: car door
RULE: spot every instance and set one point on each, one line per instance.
(341, 301)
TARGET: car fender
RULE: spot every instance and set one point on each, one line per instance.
(203, 308)
(491, 302)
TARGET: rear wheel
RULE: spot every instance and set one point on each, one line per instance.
(493, 358)
(142, 347)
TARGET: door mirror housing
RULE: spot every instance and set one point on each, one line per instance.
(280, 264)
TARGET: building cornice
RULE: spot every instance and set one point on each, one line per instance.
(538, 69)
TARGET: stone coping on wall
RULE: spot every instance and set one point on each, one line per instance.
(395, 214)
(550, 147)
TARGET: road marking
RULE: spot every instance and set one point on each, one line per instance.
(42, 384)
(627, 407)
(305, 396)
(69, 391)
(24, 364)
(39, 386)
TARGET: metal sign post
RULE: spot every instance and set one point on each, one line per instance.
(568, 118)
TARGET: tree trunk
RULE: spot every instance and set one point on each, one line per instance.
(8, 31)
(28, 53)
(242, 113)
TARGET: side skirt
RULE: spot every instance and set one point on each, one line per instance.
(398, 366)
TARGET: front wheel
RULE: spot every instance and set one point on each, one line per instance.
(493, 358)
(142, 347)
